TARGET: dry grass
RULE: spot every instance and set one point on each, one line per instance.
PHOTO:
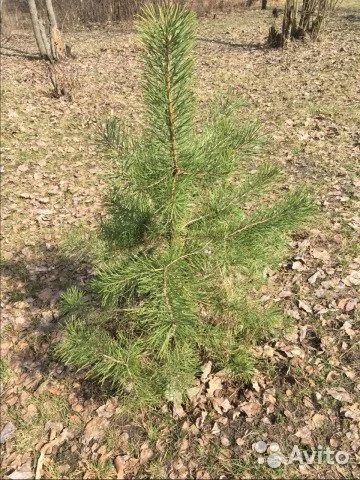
(72, 14)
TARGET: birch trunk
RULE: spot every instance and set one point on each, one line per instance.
(51, 14)
(45, 40)
(56, 41)
(37, 29)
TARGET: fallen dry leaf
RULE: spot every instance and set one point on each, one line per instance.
(305, 306)
(318, 420)
(215, 430)
(7, 432)
(340, 394)
(64, 435)
(95, 429)
(25, 472)
(304, 434)
(178, 411)
(215, 384)
(206, 371)
(120, 466)
(321, 255)
(193, 393)
(352, 411)
(347, 327)
(353, 278)
(145, 453)
(251, 408)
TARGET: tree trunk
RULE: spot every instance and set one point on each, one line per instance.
(290, 26)
(56, 41)
(308, 10)
(313, 15)
(294, 19)
(39, 30)
(1, 5)
(318, 21)
(263, 4)
(45, 40)
(51, 13)
(49, 41)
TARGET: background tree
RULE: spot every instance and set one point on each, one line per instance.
(302, 21)
(185, 241)
(47, 35)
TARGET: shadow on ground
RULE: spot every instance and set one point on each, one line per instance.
(43, 277)
(352, 17)
(240, 46)
(15, 52)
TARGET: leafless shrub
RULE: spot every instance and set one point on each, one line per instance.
(301, 20)
(314, 15)
(62, 79)
(14, 16)
(71, 13)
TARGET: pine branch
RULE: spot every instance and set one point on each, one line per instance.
(283, 216)
(222, 198)
(99, 354)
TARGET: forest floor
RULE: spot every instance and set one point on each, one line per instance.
(306, 389)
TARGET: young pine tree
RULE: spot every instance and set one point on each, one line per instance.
(184, 240)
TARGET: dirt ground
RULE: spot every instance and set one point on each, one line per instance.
(306, 389)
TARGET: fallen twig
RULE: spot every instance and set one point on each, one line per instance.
(48, 446)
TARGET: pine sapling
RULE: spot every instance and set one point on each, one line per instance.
(187, 235)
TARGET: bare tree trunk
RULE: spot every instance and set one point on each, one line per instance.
(319, 19)
(45, 40)
(49, 40)
(1, 6)
(287, 20)
(314, 14)
(294, 19)
(51, 13)
(308, 10)
(56, 41)
(290, 26)
(39, 30)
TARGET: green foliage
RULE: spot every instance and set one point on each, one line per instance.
(111, 133)
(4, 371)
(72, 300)
(187, 236)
